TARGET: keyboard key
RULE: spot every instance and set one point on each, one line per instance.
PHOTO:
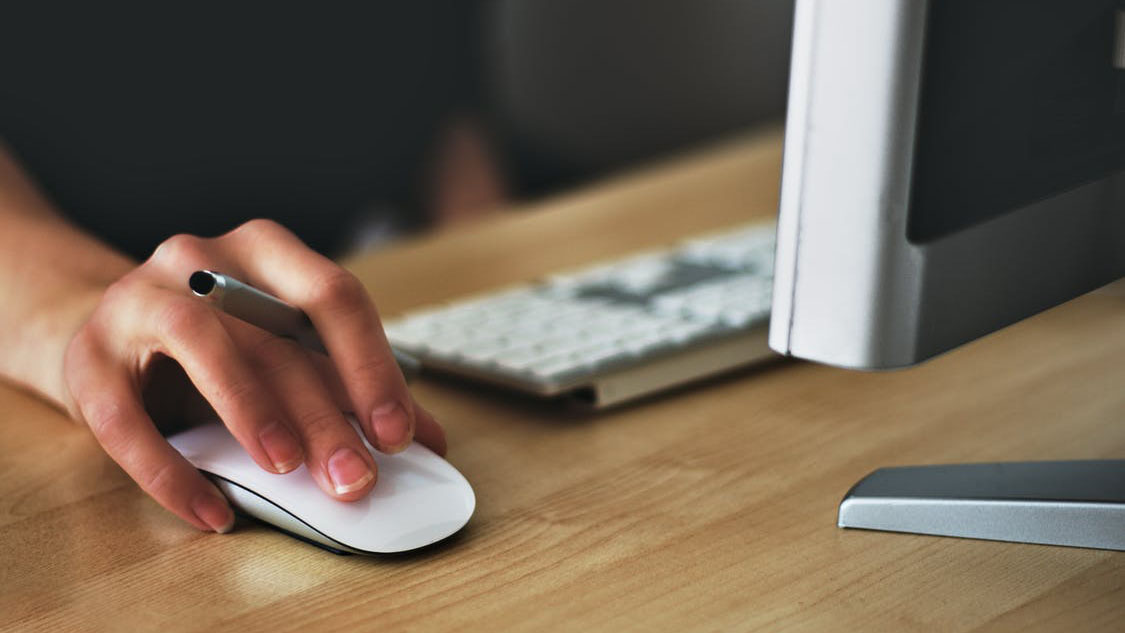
(595, 358)
(486, 350)
(643, 344)
(556, 366)
(518, 359)
(687, 331)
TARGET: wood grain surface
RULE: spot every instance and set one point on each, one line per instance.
(711, 508)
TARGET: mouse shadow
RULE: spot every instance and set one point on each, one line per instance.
(246, 522)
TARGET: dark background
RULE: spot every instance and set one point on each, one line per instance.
(142, 119)
(145, 119)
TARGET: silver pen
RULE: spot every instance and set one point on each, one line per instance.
(273, 315)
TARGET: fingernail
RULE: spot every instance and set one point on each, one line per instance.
(282, 447)
(391, 425)
(213, 509)
(348, 471)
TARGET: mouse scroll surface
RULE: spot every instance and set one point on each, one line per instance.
(418, 499)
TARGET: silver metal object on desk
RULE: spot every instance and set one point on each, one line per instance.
(1073, 503)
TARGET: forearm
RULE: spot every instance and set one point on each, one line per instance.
(51, 276)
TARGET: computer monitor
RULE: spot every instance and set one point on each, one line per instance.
(952, 167)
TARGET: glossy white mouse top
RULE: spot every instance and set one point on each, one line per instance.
(418, 499)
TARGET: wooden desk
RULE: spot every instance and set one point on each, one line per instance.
(712, 508)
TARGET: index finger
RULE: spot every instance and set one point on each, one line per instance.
(345, 318)
(111, 406)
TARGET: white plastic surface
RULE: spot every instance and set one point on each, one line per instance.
(844, 280)
(418, 499)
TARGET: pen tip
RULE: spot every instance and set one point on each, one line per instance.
(201, 282)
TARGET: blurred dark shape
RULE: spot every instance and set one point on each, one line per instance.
(584, 86)
(142, 120)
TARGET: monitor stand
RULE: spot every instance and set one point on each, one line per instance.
(1072, 503)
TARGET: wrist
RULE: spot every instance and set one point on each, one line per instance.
(35, 361)
(52, 276)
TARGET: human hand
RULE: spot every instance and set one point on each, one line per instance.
(282, 403)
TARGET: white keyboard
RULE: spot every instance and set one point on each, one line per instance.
(613, 331)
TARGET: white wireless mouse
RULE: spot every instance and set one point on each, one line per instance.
(418, 499)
